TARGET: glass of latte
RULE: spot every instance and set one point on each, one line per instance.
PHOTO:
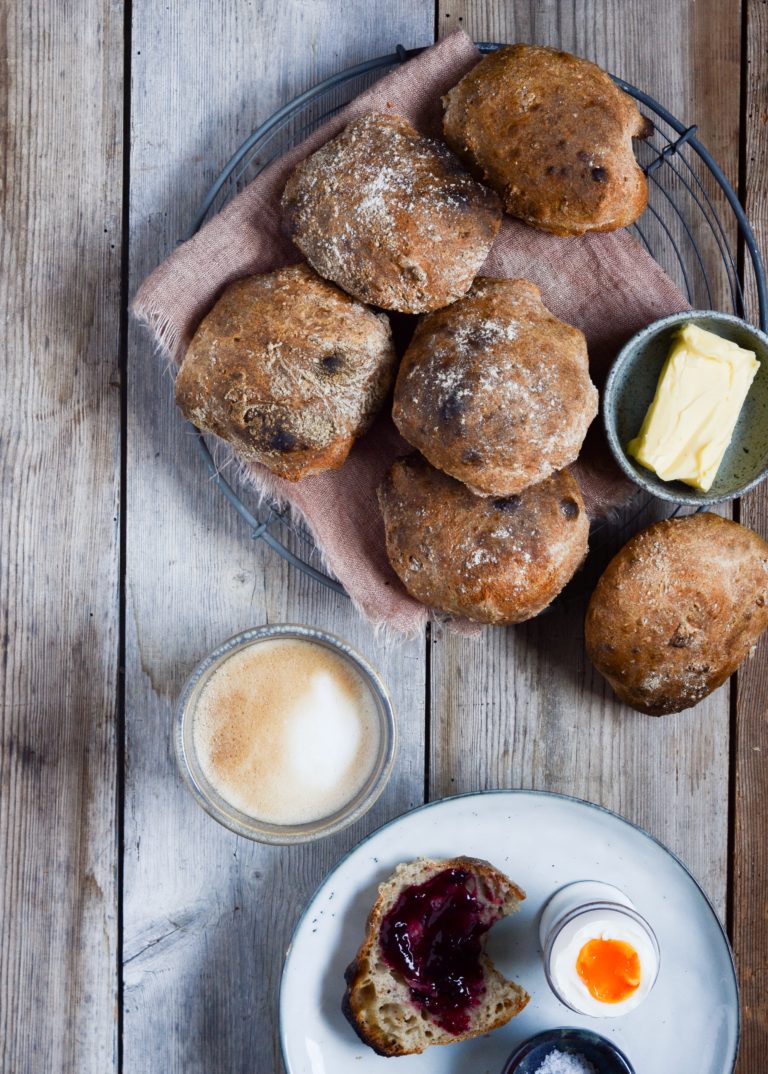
(284, 734)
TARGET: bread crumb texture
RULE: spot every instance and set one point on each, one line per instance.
(377, 1002)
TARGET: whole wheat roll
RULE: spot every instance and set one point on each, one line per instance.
(391, 216)
(488, 559)
(552, 133)
(495, 390)
(677, 610)
(289, 369)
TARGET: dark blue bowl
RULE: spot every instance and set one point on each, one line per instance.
(604, 1056)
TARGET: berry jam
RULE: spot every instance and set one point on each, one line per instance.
(432, 938)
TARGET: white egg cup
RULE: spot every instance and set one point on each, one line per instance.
(591, 902)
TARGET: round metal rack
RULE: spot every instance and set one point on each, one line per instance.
(694, 227)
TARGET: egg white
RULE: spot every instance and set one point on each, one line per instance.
(600, 925)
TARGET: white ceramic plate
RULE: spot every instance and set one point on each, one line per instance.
(690, 1022)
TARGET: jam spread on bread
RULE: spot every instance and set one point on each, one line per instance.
(432, 938)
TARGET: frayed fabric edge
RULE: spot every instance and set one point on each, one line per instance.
(384, 630)
(167, 340)
(165, 332)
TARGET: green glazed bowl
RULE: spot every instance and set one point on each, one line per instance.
(631, 386)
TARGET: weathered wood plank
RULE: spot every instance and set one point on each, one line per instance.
(60, 203)
(749, 913)
(208, 915)
(535, 713)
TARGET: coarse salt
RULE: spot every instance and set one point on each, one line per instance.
(558, 1062)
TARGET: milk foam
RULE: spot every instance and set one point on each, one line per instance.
(286, 731)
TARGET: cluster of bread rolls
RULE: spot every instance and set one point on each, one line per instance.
(494, 391)
(291, 366)
(483, 520)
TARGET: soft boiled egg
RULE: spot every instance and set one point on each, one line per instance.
(603, 962)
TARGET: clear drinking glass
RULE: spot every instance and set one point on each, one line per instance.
(217, 806)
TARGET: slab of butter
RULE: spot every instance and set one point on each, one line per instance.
(698, 399)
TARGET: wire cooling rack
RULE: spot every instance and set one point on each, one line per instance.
(694, 227)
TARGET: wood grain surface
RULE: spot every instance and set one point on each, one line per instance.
(208, 915)
(526, 697)
(60, 193)
(201, 918)
(749, 849)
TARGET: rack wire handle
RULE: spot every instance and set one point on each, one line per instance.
(670, 149)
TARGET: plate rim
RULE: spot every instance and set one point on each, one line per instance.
(532, 791)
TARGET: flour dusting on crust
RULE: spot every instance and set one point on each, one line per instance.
(391, 216)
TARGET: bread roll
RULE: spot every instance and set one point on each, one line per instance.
(677, 610)
(494, 390)
(289, 370)
(391, 216)
(379, 1003)
(500, 560)
(552, 133)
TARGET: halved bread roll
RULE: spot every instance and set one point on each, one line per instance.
(397, 1009)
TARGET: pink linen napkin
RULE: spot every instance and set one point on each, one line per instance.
(606, 285)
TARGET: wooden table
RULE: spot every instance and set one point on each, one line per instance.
(138, 935)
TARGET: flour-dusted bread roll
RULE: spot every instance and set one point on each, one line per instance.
(677, 610)
(422, 976)
(492, 560)
(289, 370)
(553, 134)
(391, 216)
(495, 390)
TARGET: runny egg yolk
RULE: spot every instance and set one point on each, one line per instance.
(609, 968)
